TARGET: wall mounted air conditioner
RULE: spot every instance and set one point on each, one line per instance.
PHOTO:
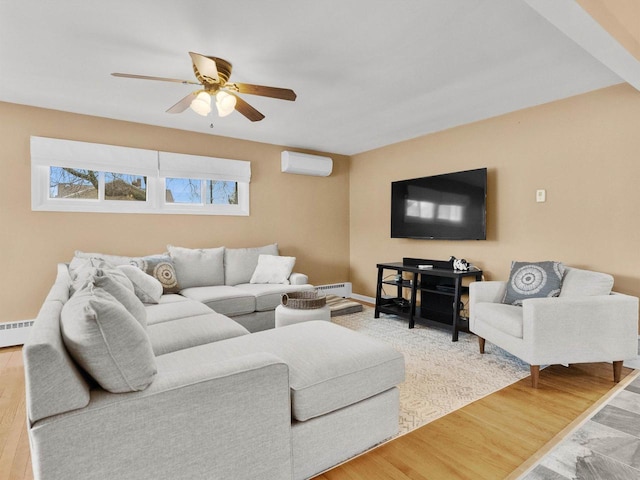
(305, 164)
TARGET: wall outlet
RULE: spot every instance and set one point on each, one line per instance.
(541, 196)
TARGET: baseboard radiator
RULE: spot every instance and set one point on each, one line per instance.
(339, 289)
(14, 333)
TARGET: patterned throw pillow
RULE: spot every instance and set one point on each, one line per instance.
(160, 267)
(533, 280)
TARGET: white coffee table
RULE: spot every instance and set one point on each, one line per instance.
(289, 316)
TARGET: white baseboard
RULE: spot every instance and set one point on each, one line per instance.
(364, 298)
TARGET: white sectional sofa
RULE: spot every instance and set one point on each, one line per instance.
(118, 389)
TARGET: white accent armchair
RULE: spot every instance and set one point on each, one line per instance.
(584, 324)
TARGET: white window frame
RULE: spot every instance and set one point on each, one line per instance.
(154, 165)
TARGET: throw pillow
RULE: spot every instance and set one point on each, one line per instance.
(147, 288)
(85, 274)
(114, 260)
(107, 342)
(273, 269)
(533, 280)
(198, 267)
(162, 269)
(126, 297)
(240, 263)
(584, 283)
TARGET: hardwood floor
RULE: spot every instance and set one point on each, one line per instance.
(488, 439)
(15, 459)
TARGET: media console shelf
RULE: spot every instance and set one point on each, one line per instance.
(440, 292)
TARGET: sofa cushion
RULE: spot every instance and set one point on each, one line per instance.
(173, 307)
(506, 318)
(147, 288)
(114, 260)
(82, 275)
(533, 280)
(269, 296)
(160, 267)
(582, 283)
(198, 267)
(167, 337)
(330, 367)
(273, 269)
(223, 299)
(240, 263)
(107, 341)
(122, 294)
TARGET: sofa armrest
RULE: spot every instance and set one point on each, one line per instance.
(298, 279)
(193, 422)
(594, 328)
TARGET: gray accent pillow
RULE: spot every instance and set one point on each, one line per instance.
(533, 280)
(198, 267)
(147, 288)
(126, 297)
(160, 267)
(240, 263)
(107, 341)
(83, 275)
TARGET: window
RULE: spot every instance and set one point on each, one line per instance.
(89, 177)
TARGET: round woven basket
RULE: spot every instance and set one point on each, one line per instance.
(307, 300)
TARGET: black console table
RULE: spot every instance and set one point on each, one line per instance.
(440, 291)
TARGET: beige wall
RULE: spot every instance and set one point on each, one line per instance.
(307, 216)
(585, 151)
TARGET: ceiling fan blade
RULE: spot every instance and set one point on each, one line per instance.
(274, 92)
(247, 110)
(183, 104)
(205, 66)
(161, 79)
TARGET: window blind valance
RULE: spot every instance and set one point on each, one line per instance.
(93, 156)
(180, 165)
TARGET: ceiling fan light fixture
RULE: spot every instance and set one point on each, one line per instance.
(201, 104)
(225, 103)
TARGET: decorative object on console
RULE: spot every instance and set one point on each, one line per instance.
(305, 164)
(459, 264)
(533, 280)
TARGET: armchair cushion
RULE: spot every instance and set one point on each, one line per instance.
(533, 280)
(506, 318)
(585, 283)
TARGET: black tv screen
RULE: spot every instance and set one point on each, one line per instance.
(451, 206)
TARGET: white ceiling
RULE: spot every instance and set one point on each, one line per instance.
(368, 73)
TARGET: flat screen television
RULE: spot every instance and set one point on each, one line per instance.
(452, 206)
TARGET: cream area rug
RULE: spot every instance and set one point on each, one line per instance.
(441, 375)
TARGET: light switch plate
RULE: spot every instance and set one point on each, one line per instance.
(541, 195)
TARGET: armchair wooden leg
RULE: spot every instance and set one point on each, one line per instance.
(535, 375)
(481, 344)
(617, 370)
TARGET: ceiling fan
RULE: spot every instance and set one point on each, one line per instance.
(213, 75)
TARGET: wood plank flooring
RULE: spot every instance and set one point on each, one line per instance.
(490, 438)
(487, 439)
